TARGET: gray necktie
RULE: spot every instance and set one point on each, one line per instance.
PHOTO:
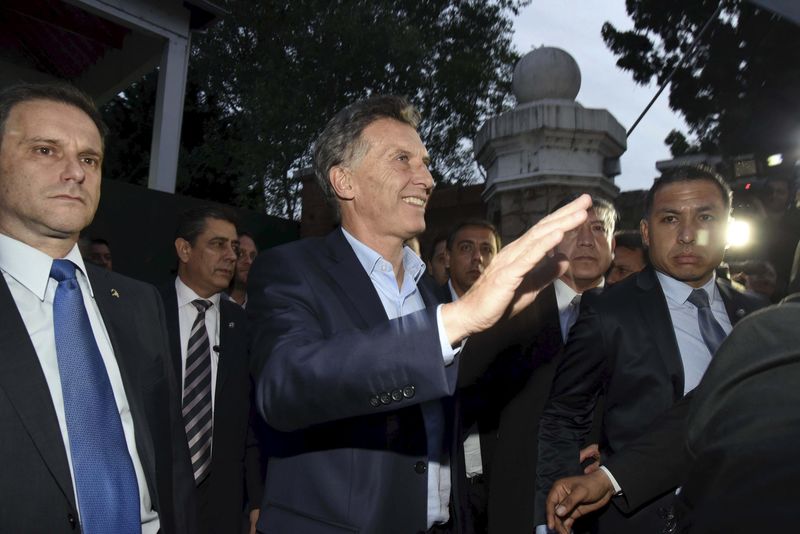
(710, 329)
(572, 315)
(197, 416)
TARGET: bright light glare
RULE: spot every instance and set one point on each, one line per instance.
(738, 233)
(774, 160)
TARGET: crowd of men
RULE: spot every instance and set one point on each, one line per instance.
(340, 384)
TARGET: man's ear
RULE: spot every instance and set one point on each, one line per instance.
(341, 180)
(183, 249)
(446, 258)
(644, 229)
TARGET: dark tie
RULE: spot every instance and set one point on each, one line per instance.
(197, 416)
(108, 495)
(712, 332)
(572, 315)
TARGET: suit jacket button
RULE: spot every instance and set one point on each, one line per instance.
(397, 395)
(374, 401)
(386, 398)
(408, 392)
(72, 522)
(421, 467)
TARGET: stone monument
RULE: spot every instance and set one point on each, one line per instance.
(548, 146)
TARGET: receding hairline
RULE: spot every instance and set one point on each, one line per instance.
(45, 138)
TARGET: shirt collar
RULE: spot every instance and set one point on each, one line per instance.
(453, 293)
(678, 291)
(369, 259)
(186, 294)
(564, 294)
(31, 267)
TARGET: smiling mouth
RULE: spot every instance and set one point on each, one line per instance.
(414, 201)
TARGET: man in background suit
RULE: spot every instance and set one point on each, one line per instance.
(359, 362)
(513, 465)
(91, 433)
(208, 337)
(646, 341)
(470, 248)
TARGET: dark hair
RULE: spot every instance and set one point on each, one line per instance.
(192, 222)
(99, 241)
(482, 223)
(246, 234)
(340, 141)
(687, 173)
(631, 239)
(604, 209)
(54, 92)
(432, 247)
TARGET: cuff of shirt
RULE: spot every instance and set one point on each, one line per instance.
(542, 529)
(617, 488)
(448, 351)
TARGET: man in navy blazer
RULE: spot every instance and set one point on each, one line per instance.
(357, 360)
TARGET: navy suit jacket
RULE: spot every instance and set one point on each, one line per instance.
(341, 386)
(36, 494)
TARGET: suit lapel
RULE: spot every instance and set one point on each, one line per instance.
(22, 380)
(170, 298)
(229, 331)
(732, 300)
(652, 307)
(348, 273)
(116, 310)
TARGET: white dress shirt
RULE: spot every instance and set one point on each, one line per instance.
(400, 301)
(187, 314)
(27, 272)
(473, 461)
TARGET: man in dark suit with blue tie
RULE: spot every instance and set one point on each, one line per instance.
(91, 435)
(358, 362)
(646, 341)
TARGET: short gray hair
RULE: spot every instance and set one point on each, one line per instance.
(340, 142)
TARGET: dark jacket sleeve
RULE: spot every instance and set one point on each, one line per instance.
(568, 415)
(656, 462)
(315, 367)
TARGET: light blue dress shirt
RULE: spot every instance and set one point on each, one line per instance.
(694, 352)
(400, 301)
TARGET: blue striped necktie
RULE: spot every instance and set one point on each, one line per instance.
(108, 494)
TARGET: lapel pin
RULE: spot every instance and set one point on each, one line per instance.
(114, 293)
(231, 324)
(740, 312)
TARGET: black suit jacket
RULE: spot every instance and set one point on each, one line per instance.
(623, 345)
(520, 397)
(341, 385)
(36, 494)
(235, 453)
(733, 434)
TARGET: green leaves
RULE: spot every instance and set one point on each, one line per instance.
(266, 79)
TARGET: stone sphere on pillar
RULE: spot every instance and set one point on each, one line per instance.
(546, 73)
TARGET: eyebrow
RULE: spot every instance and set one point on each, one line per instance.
(58, 142)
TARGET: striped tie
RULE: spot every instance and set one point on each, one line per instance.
(197, 416)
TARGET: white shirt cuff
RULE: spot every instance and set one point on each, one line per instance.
(617, 488)
(448, 352)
